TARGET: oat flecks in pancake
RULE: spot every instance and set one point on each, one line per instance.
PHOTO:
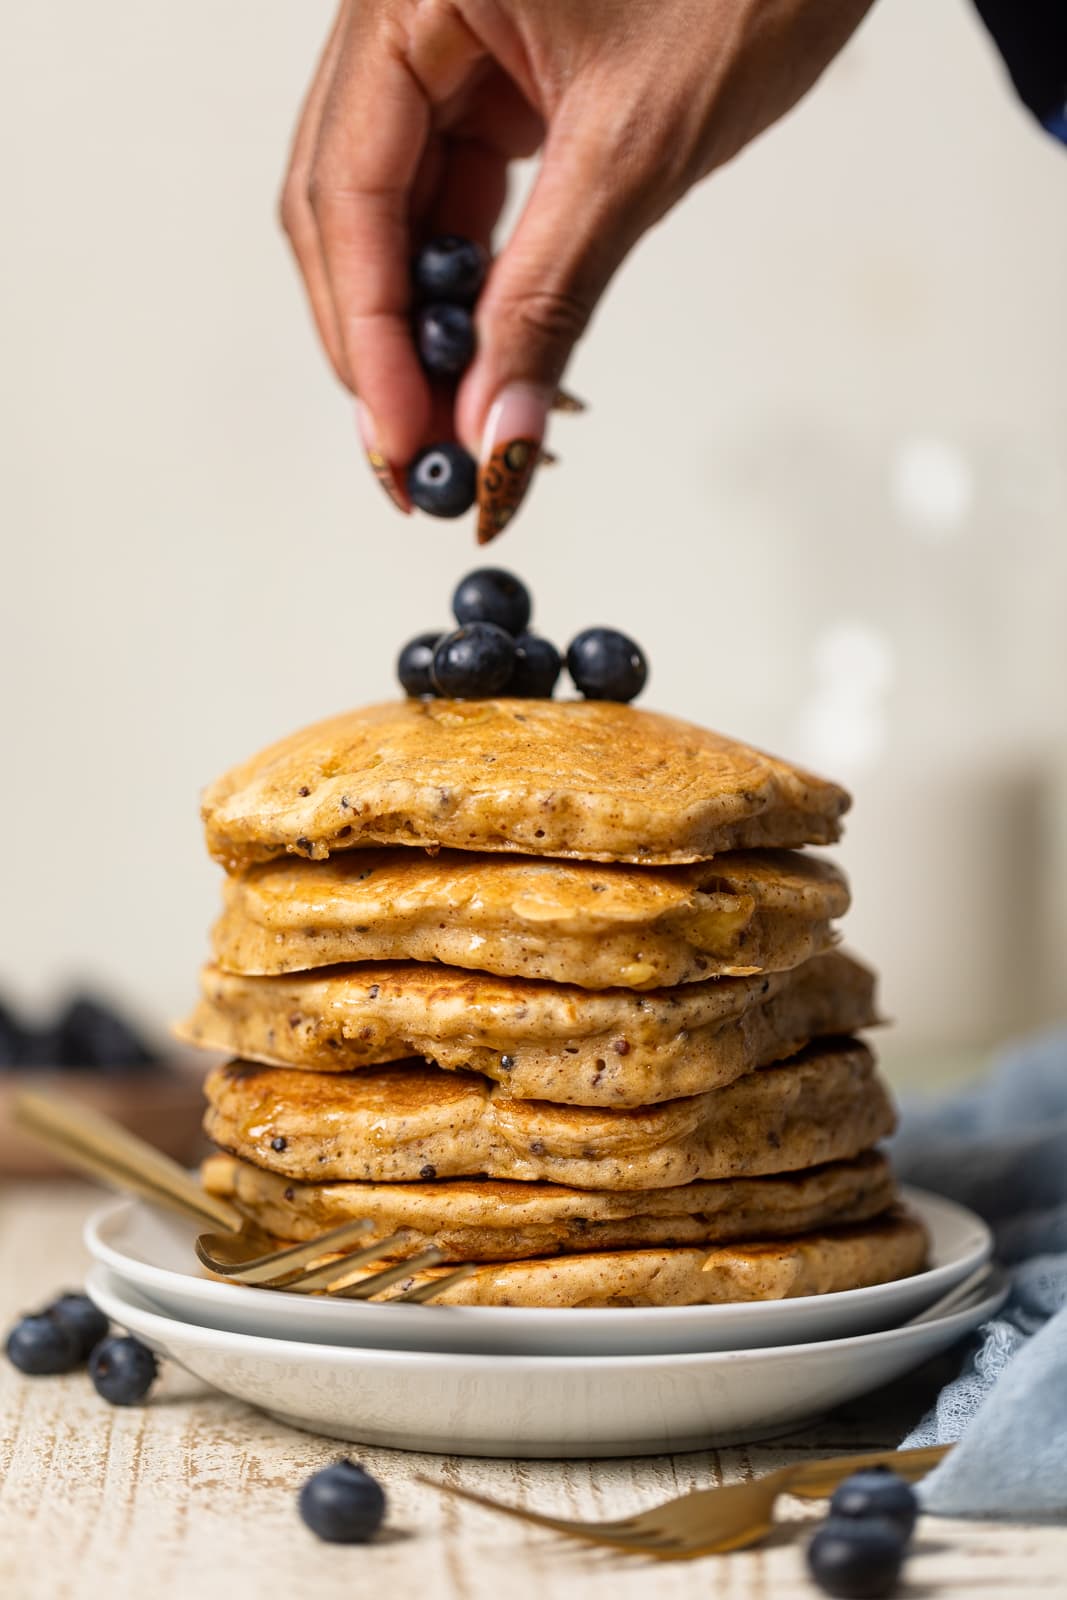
(853, 1257)
(577, 778)
(574, 922)
(540, 1040)
(409, 1121)
(487, 1220)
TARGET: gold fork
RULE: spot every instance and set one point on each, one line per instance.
(707, 1521)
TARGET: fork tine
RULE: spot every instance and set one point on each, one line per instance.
(429, 1291)
(381, 1280)
(336, 1271)
(580, 1530)
(264, 1269)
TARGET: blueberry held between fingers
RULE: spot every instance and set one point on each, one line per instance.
(414, 665)
(41, 1346)
(442, 480)
(343, 1504)
(537, 667)
(450, 268)
(474, 662)
(444, 335)
(607, 665)
(85, 1321)
(492, 595)
(877, 1492)
(123, 1370)
(856, 1559)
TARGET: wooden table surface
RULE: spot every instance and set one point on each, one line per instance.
(192, 1497)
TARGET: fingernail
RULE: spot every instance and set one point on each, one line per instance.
(563, 400)
(511, 442)
(384, 473)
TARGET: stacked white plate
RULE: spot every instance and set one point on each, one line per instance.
(472, 1380)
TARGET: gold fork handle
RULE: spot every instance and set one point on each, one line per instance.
(97, 1145)
(816, 1479)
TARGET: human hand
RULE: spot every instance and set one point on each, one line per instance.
(415, 113)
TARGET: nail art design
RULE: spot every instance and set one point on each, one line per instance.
(378, 463)
(502, 482)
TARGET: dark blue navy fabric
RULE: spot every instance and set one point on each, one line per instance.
(1031, 35)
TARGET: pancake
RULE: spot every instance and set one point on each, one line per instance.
(480, 1220)
(569, 922)
(410, 1121)
(578, 778)
(542, 1041)
(893, 1246)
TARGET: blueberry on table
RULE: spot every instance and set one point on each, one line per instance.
(414, 665)
(123, 1370)
(877, 1492)
(606, 665)
(343, 1504)
(474, 662)
(492, 595)
(537, 667)
(450, 268)
(89, 1034)
(442, 480)
(856, 1559)
(85, 1321)
(41, 1346)
(444, 336)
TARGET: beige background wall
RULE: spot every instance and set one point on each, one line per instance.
(822, 480)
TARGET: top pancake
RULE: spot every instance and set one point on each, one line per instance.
(586, 779)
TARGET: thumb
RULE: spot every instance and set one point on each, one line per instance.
(584, 212)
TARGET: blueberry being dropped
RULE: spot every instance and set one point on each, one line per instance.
(474, 662)
(85, 1321)
(856, 1559)
(606, 665)
(343, 1504)
(414, 665)
(492, 595)
(444, 335)
(877, 1492)
(450, 268)
(537, 667)
(123, 1370)
(41, 1346)
(442, 480)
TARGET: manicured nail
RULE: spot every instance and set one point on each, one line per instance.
(563, 400)
(511, 443)
(384, 473)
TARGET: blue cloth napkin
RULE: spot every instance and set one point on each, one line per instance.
(1001, 1148)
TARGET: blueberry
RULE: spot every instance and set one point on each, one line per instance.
(606, 665)
(450, 268)
(858, 1560)
(13, 1039)
(77, 1313)
(492, 595)
(343, 1504)
(89, 1034)
(123, 1370)
(537, 666)
(41, 1346)
(878, 1492)
(444, 335)
(474, 662)
(442, 480)
(414, 664)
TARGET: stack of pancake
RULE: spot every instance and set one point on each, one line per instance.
(551, 985)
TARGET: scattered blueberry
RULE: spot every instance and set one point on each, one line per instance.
(85, 1321)
(877, 1492)
(414, 665)
(89, 1034)
(474, 662)
(442, 480)
(606, 665)
(13, 1039)
(444, 335)
(123, 1370)
(492, 595)
(450, 268)
(42, 1346)
(537, 666)
(856, 1559)
(343, 1504)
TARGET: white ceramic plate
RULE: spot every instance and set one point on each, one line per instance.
(151, 1251)
(536, 1406)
